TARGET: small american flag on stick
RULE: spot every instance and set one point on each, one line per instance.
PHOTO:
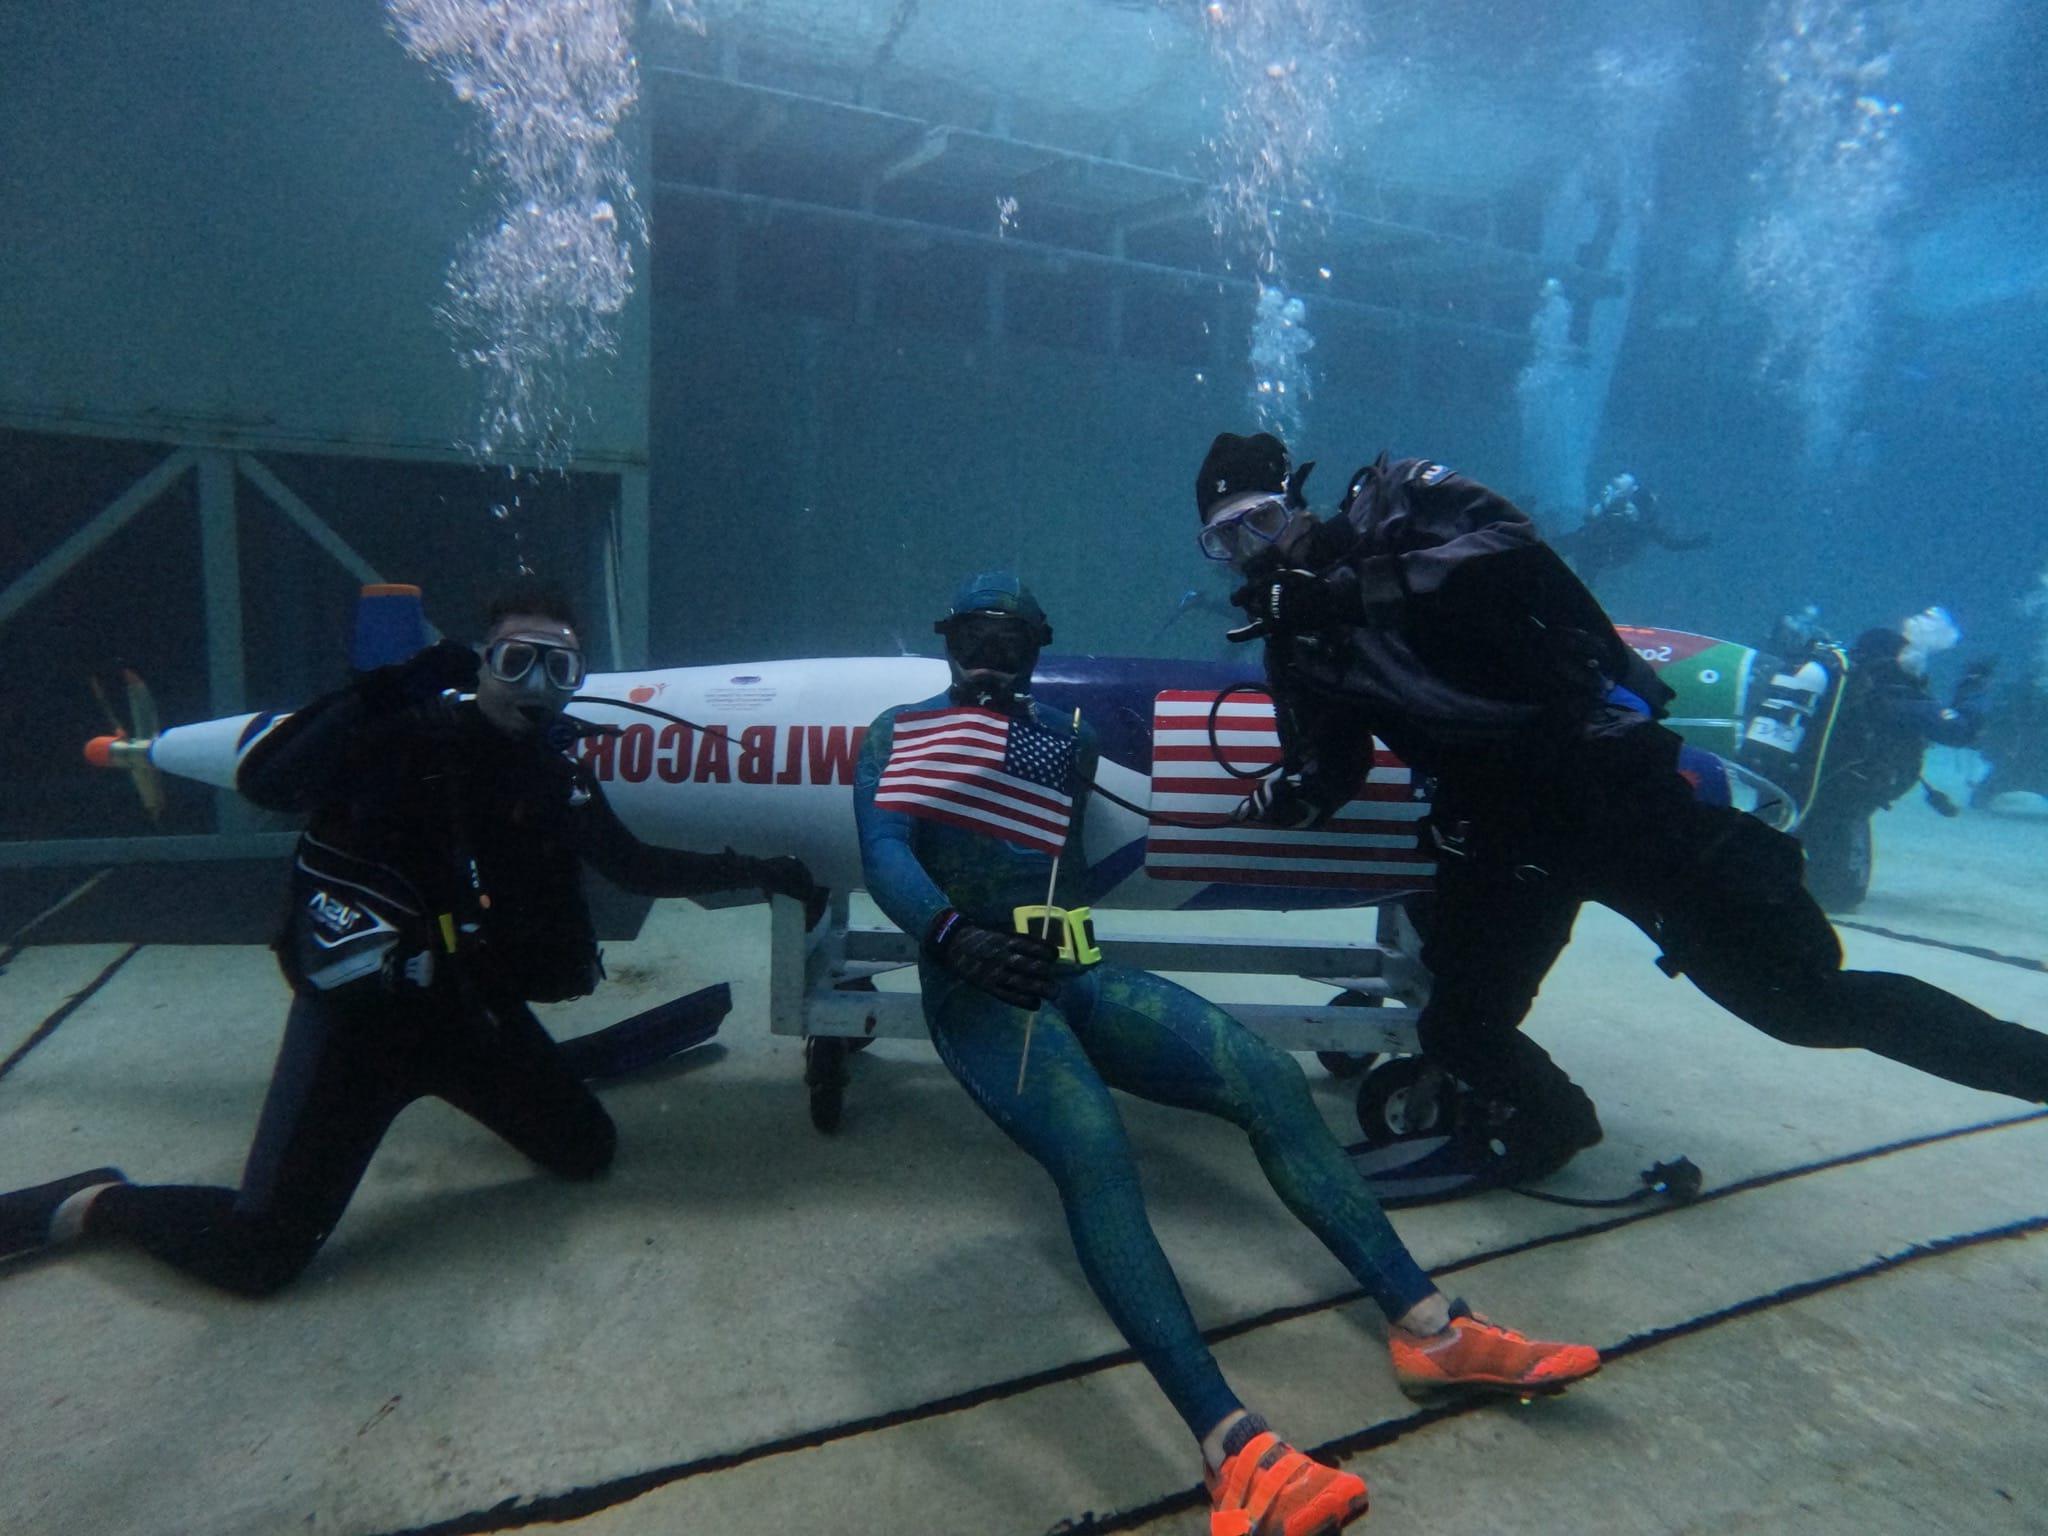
(985, 771)
(1373, 843)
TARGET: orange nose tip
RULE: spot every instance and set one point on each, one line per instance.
(100, 751)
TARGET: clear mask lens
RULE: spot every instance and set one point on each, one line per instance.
(512, 660)
(1237, 534)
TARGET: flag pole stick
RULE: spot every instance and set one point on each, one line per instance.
(1044, 933)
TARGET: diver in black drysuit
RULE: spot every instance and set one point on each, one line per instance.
(1616, 531)
(407, 794)
(1880, 735)
(1431, 613)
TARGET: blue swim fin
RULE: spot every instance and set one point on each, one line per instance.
(650, 1038)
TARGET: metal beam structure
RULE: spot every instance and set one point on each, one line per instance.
(218, 468)
(1016, 252)
(309, 522)
(939, 178)
(181, 848)
(25, 416)
(115, 516)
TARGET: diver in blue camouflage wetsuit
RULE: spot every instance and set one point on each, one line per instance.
(949, 853)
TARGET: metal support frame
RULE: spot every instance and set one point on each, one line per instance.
(220, 558)
(816, 980)
(220, 565)
(632, 543)
(309, 522)
(1061, 258)
(1403, 226)
(219, 465)
(115, 516)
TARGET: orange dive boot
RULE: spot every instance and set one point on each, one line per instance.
(1473, 1354)
(1270, 1489)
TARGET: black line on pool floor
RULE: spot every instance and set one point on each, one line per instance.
(1975, 951)
(71, 1005)
(1387, 1431)
(580, 1503)
(13, 945)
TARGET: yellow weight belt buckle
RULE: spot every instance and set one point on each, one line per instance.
(1071, 928)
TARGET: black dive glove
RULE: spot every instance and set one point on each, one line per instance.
(1277, 802)
(421, 679)
(1975, 679)
(1013, 968)
(1297, 603)
(786, 875)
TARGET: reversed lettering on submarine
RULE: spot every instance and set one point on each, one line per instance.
(754, 754)
(739, 698)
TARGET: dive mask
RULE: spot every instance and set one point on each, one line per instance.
(511, 660)
(991, 642)
(1239, 532)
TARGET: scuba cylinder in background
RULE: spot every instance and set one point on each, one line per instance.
(391, 626)
(1788, 730)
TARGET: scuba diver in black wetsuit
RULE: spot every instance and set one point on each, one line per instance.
(1617, 529)
(1881, 730)
(1430, 613)
(436, 892)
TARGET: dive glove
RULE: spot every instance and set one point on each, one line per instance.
(1277, 802)
(1297, 602)
(421, 679)
(786, 875)
(1013, 968)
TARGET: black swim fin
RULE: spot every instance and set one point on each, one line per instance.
(650, 1038)
(1419, 1170)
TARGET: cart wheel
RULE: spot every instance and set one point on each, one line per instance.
(1350, 1063)
(1345, 1063)
(825, 1076)
(1406, 1096)
(1838, 862)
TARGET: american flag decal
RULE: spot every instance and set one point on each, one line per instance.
(1373, 843)
(987, 772)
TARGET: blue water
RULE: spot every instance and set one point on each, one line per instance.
(881, 298)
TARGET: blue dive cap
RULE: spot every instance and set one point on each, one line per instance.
(996, 592)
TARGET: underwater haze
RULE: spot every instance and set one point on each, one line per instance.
(878, 295)
(756, 325)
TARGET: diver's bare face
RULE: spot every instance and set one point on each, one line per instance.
(527, 704)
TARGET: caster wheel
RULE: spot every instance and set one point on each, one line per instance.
(1405, 1096)
(1350, 1063)
(825, 1077)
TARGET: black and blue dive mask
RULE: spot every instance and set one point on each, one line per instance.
(1243, 530)
(993, 646)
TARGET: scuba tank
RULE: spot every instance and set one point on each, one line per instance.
(1788, 731)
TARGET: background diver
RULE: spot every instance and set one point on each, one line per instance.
(436, 892)
(964, 802)
(1881, 731)
(1616, 530)
(1429, 612)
